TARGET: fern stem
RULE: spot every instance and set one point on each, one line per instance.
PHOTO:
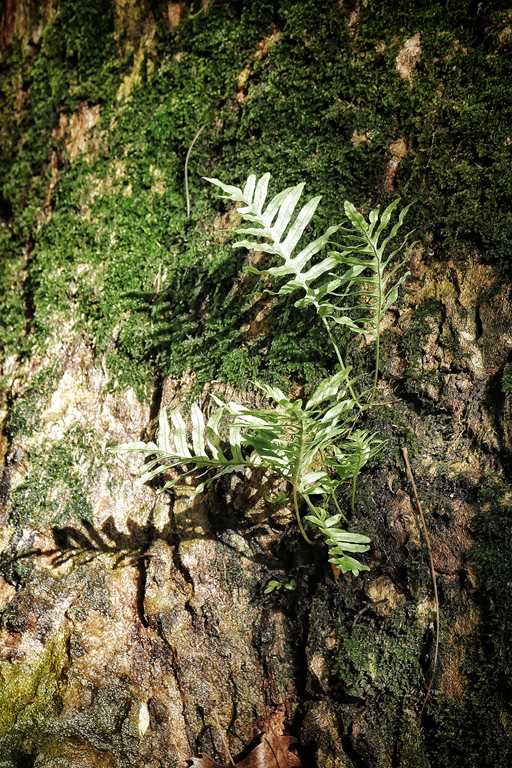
(338, 508)
(340, 361)
(377, 353)
(353, 495)
(297, 515)
(378, 260)
(295, 481)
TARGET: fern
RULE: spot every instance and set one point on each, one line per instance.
(365, 249)
(210, 449)
(291, 439)
(368, 270)
(275, 230)
(314, 445)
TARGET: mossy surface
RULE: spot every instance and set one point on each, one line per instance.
(484, 715)
(29, 696)
(118, 227)
(25, 415)
(55, 488)
(99, 239)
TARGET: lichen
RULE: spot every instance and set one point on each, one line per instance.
(29, 696)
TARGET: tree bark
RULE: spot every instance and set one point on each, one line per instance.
(134, 625)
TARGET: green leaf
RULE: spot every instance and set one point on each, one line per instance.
(348, 564)
(260, 194)
(296, 231)
(286, 210)
(249, 188)
(198, 430)
(313, 248)
(233, 193)
(327, 389)
(349, 547)
(180, 435)
(272, 586)
(164, 432)
(333, 520)
(318, 270)
(346, 536)
(356, 218)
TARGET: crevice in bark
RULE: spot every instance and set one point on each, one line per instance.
(156, 400)
(183, 696)
(141, 590)
(352, 753)
(28, 293)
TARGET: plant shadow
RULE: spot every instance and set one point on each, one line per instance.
(245, 509)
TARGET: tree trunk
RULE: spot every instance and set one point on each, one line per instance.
(134, 625)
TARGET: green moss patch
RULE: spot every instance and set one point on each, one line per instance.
(29, 696)
(55, 488)
(119, 227)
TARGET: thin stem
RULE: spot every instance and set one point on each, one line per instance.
(295, 482)
(297, 515)
(377, 363)
(333, 342)
(353, 495)
(187, 194)
(433, 574)
(379, 275)
(338, 508)
(340, 361)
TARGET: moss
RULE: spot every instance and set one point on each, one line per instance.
(412, 342)
(371, 665)
(12, 316)
(74, 61)
(353, 86)
(483, 714)
(25, 413)
(29, 696)
(375, 672)
(55, 488)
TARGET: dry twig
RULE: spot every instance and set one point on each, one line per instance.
(426, 536)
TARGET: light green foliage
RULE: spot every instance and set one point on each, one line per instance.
(314, 445)
(369, 271)
(365, 251)
(274, 585)
(290, 438)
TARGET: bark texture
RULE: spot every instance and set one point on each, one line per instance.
(134, 627)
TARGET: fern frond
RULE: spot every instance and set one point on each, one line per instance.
(211, 447)
(338, 540)
(372, 282)
(289, 437)
(368, 276)
(293, 439)
(276, 229)
(351, 454)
